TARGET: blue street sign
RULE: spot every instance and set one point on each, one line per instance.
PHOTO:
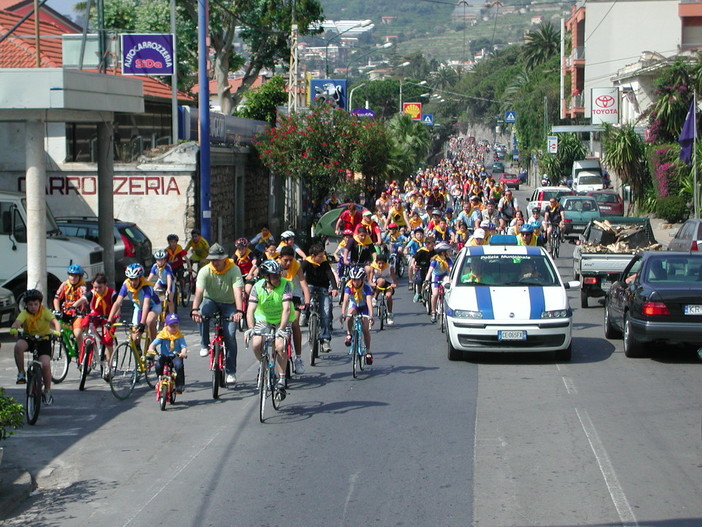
(428, 119)
(510, 116)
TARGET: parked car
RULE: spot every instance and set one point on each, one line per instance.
(131, 244)
(688, 237)
(498, 167)
(507, 298)
(657, 299)
(609, 202)
(510, 180)
(578, 211)
(8, 307)
(539, 198)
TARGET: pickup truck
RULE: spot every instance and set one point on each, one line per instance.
(599, 259)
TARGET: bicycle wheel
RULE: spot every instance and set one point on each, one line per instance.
(400, 266)
(557, 245)
(426, 294)
(162, 394)
(216, 381)
(440, 313)
(85, 356)
(263, 388)
(355, 345)
(59, 360)
(33, 402)
(361, 355)
(149, 370)
(123, 371)
(182, 295)
(313, 324)
(382, 314)
(273, 387)
(187, 290)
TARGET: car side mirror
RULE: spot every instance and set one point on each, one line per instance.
(573, 284)
(447, 284)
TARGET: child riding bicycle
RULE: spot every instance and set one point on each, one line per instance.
(358, 299)
(171, 346)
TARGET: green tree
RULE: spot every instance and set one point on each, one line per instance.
(625, 154)
(557, 166)
(541, 45)
(262, 102)
(410, 145)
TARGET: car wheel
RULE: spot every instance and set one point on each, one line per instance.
(516, 188)
(632, 348)
(610, 332)
(565, 354)
(453, 353)
(583, 299)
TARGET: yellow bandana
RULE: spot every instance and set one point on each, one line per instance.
(164, 334)
(310, 260)
(135, 290)
(31, 324)
(380, 267)
(100, 302)
(365, 242)
(357, 292)
(291, 272)
(229, 263)
(442, 261)
(244, 256)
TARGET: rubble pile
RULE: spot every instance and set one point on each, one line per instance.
(617, 239)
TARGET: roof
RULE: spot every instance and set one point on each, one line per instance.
(46, 14)
(19, 51)
(234, 85)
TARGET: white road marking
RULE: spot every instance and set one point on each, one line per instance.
(616, 492)
(569, 385)
(352, 486)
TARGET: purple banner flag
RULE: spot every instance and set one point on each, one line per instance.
(688, 135)
(147, 54)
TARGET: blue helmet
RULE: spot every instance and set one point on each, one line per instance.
(134, 270)
(526, 228)
(75, 269)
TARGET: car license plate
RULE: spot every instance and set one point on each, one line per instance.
(693, 309)
(605, 285)
(6, 317)
(512, 335)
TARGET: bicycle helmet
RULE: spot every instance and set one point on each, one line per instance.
(159, 254)
(33, 294)
(172, 319)
(393, 226)
(287, 234)
(442, 246)
(526, 228)
(348, 232)
(134, 270)
(74, 269)
(357, 273)
(270, 267)
(172, 237)
(242, 242)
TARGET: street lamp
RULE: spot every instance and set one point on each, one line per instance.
(384, 46)
(422, 83)
(350, 108)
(326, 47)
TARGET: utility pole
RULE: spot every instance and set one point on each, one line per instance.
(293, 85)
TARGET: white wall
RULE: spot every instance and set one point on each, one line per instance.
(617, 32)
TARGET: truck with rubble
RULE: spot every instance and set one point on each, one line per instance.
(605, 248)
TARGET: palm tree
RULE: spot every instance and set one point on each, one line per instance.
(625, 154)
(410, 145)
(541, 45)
(445, 78)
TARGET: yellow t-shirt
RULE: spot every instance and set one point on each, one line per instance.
(200, 249)
(40, 326)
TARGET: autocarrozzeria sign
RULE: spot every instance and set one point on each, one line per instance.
(147, 54)
(605, 105)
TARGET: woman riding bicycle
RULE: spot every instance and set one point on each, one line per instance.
(358, 300)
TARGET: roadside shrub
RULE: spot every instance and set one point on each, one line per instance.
(11, 415)
(672, 209)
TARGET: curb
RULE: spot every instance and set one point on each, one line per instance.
(16, 485)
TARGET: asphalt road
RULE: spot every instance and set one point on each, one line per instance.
(499, 440)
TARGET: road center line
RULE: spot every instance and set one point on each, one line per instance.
(616, 492)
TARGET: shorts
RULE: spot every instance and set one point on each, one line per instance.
(361, 310)
(261, 327)
(297, 302)
(43, 347)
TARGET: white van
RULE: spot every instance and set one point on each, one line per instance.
(61, 251)
(588, 181)
(591, 165)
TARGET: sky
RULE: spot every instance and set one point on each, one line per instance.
(65, 7)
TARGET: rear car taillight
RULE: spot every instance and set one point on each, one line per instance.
(129, 249)
(589, 280)
(655, 308)
(693, 247)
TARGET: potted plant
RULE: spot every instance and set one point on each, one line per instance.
(11, 416)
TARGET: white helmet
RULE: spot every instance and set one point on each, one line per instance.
(287, 234)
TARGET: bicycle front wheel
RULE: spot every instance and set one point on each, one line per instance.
(263, 388)
(33, 402)
(382, 315)
(162, 394)
(273, 387)
(149, 367)
(85, 356)
(59, 360)
(123, 371)
(355, 350)
(313, 324)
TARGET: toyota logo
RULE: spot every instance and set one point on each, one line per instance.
(605, 101)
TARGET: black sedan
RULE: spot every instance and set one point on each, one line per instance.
(657, 299)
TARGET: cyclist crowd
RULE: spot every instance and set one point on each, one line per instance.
(268, 285)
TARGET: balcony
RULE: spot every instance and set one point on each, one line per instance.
(576, 103)
(578, 54)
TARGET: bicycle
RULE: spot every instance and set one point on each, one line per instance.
(266, 381)
(165, 387)
(398, 262)
(554, 246)
(218, 354)
(245, 307)
(187, 286)
(129, 362)
(426, 296)
(358, 349)
(381, 306)
(314, 327)
(290, 358)
(440, 308)
(87, 358)
(63, 349)
(35, 380)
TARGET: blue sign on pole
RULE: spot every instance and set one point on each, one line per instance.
(150, 54)
(510, 116)
(428, 119)
(330, 91)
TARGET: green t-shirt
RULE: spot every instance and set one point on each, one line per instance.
(269, 304)
(219, 287)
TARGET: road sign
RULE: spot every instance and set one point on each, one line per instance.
(510, 116)
(428, 119)
(413, 109)
(552, 144)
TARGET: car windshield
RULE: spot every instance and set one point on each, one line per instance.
(548, 194)
(674, 269)
(605, 197)
(516, 270)
(589, 180)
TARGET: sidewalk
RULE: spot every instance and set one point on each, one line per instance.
(664, 231)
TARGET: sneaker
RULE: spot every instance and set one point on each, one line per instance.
(299, 367)
(416, 298)
(21, 378)
(231, 379)
(47, 398)
(279, 392)
(433, 318)
(326, 346)
(347, 340)
(179, 391)
(390, 319)
(107, 376)
(369, 359)
(204, 352)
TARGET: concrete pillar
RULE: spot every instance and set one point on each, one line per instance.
(36, 207)
(106, 211)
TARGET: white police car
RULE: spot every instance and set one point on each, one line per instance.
(507, 298)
